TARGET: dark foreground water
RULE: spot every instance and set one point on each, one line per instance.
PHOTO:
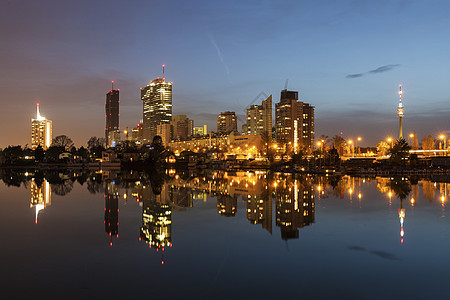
(223, 235)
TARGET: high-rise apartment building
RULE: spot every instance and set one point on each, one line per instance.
(157, 106)
(41, 131)
(227, 122)
(294, 121)
(112, 130)
(259, 119)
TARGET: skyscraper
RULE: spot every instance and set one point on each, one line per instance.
(294, 121)
(226, 122)
(112, 132)
(259, 119)
(157, 106)
(41, 131)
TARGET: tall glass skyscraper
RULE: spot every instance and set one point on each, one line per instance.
(157, 106)
(112, 116)
(41, 131)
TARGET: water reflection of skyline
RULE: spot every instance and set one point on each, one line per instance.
(284, 200)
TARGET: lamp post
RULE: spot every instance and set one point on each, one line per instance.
(356, 144)
(351, 146)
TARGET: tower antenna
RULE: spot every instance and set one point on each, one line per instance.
(400, 112)
(112, 85)
(163, 72)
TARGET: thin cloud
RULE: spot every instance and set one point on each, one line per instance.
(219, 54)
(381, 69)
(355, 75)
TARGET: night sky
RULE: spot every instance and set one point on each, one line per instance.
(344, 57)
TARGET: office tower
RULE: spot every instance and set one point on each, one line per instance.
(182, 127)
(227, 205)
(259, 119)
(227, 122)
(112, 134)
(157, 106)
(41, 131)
(294, 121)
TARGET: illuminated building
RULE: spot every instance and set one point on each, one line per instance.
(136, 134)
(157, 106)
(200, 130)
(111, 210)
(400, 113)
(41, 196)
(41, 131)
(294, 121)
(156, 224)
(259, 119)
(226, 122)
(112, 133)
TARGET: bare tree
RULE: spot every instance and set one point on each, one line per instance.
(428, 142)
(63, 141)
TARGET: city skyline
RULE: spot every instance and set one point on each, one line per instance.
(346, 59)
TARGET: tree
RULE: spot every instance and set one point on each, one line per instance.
(62, 141)
(95, 142)
(399, 151)
(382, 148)
(428, 142)
(338, 142)
(39, 154)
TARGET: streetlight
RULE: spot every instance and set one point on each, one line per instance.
(356, 143)
(390, 140)
(442, 137)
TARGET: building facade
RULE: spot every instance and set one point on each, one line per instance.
(294, 121)
(112, 116)
(226, 122)
(157, 106)
(259, 119)
(41, 131)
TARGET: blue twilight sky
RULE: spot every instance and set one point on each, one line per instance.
(344, 57)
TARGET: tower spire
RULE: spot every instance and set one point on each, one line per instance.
(112, 85)
(163, 66)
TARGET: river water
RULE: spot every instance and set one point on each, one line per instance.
(209, 235)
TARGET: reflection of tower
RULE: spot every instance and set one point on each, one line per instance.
(401, 216)
(156, 229)
(259, 210)
(227, 205)
(111, 211)
(41, 196)
(294, 208)
(400, 113)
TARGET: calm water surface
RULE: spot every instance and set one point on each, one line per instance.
(222, 235)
